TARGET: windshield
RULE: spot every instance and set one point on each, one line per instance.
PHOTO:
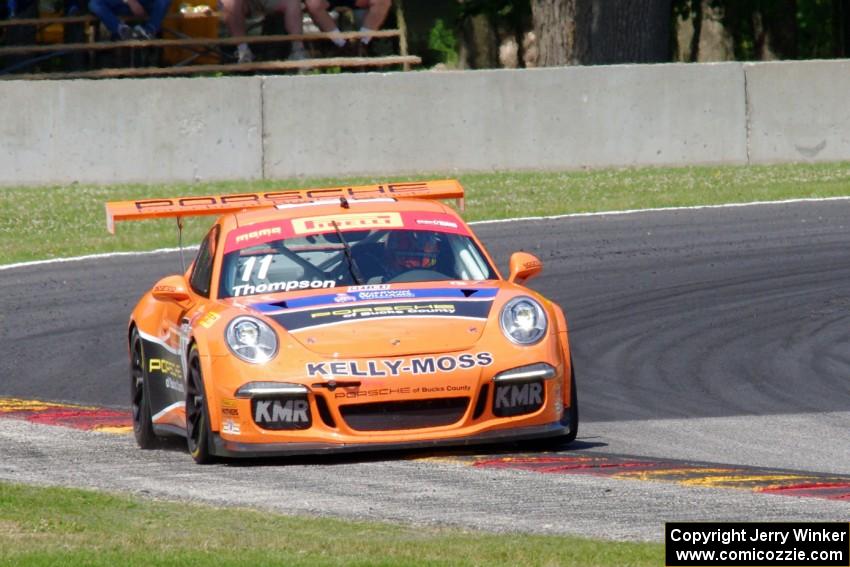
(346, 257)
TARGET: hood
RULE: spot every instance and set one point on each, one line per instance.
(384, 320)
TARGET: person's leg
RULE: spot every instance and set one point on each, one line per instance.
(233, 14)
(293, 21)
(156, 9)
(376, 14)
(293, 16)
(108, 12)
(318, 10)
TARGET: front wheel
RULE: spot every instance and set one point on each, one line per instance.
(198, 437)
(140, 397)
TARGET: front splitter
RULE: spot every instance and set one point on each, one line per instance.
(224, 448)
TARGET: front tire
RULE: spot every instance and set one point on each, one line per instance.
(198, 436)
(139, 396)
(571, 436)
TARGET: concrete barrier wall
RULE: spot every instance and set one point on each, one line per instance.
(536, 119)
(242, 128)
(799, 111)
(127, 131)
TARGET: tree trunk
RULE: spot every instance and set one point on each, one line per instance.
(630, 31)
(554, 23)
(697, 11)
(519, 38)
(841, 28)
(775, 31)
(571, 32)
(688, 32)
(760, 46)
(479, 47)
(780, 30)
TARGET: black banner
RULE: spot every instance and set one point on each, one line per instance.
(805, 544)
(334, 314)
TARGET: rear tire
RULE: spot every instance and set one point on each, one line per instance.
(198, 436)
(139, 396)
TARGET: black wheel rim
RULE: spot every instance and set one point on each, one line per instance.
(194, 405)
(137, 383)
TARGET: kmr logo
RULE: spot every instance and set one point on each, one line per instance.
(516, 399)
(282, 414)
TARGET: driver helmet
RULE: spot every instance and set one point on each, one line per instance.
(411, 250)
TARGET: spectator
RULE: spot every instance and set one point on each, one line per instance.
(234, 12)
(109, 12)
(376, 13)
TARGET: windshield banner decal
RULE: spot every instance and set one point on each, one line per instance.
(339, 314)
(262, 233)
(386, 294)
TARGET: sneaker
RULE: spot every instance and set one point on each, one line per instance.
(124, 33)
(244, 54)
(297, 54)
(141, 33)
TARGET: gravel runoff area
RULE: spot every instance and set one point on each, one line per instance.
(428, 491)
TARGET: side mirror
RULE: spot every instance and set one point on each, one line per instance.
(524, 266)
(171, 288)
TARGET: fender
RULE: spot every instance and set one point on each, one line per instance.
(163, 345)
(199, 336)
(162, 371)
(563, 339)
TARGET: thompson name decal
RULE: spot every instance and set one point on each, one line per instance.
(247, 289)
(395, 367)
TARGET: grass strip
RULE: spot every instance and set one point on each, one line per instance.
(70, 527)
(49, 222)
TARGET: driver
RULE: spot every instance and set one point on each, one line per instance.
(410, 250)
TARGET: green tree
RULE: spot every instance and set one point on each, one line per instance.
(773, 29)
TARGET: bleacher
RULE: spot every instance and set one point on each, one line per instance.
(191, 43)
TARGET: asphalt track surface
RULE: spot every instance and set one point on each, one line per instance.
(719, 335)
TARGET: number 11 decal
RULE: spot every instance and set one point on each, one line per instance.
(264, 267)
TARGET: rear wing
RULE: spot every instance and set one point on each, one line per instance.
(178, 207)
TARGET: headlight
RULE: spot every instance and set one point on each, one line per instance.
(523, 321)
(251, 340)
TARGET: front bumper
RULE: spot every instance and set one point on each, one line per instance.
(226, 448)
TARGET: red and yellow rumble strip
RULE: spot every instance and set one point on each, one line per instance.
(67, 415)
(786, 483)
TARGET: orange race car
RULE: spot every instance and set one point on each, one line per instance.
(340, 319)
